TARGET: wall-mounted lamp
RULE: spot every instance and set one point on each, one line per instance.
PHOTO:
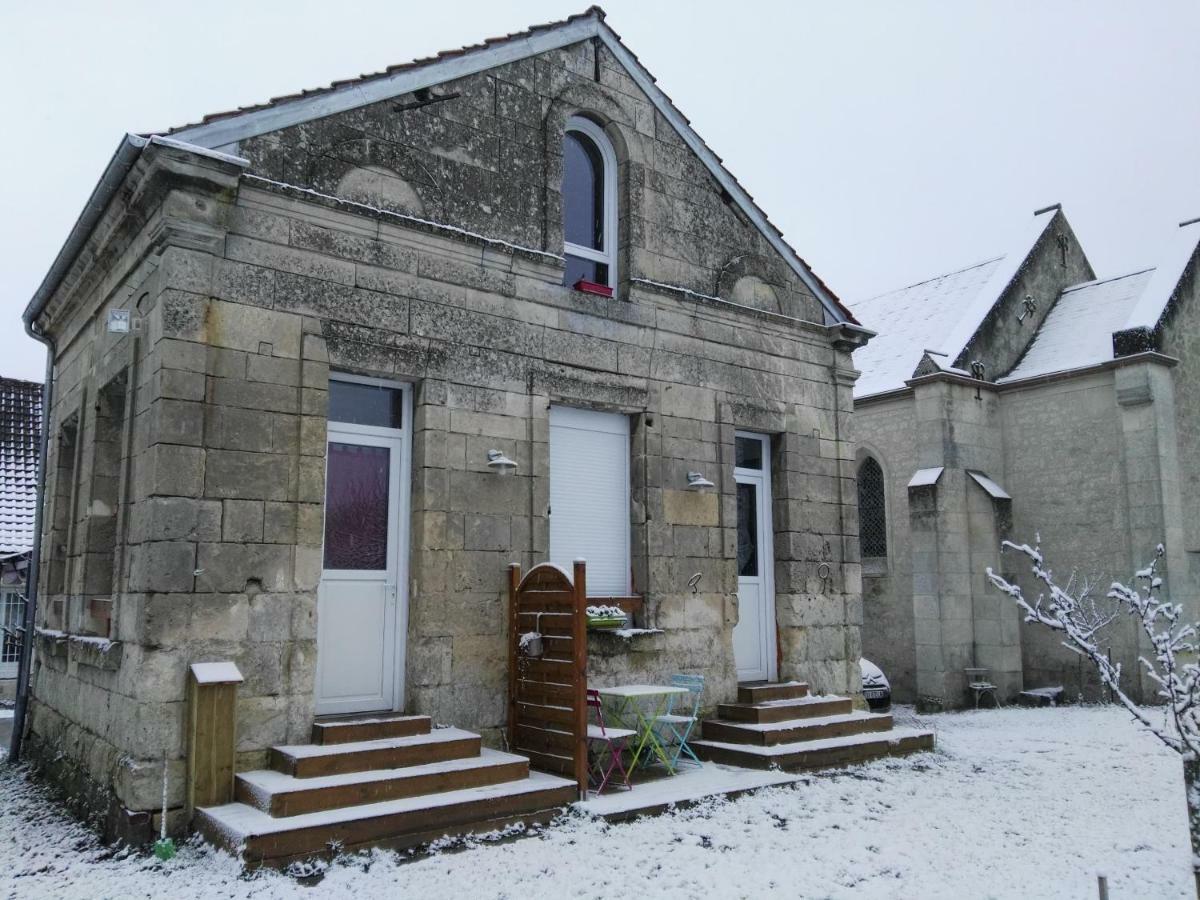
(498, 462)
(697, 482)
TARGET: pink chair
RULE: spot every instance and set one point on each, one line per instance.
(605, 746)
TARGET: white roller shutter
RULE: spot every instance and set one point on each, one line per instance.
(589, 496)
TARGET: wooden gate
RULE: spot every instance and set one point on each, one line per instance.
(547, 674)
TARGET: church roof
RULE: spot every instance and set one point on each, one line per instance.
(914, 319)
(940, 315)
(1078, 330)
(20, 435)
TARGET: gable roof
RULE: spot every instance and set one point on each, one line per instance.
(20, 435)
(223, 130)
(941, 314)
(1181, 248)
(1078, 330)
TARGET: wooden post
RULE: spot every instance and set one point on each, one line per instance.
(211, 734)
(579, 646)
(514, 638)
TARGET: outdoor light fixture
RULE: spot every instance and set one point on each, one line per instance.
(498, 462)
(697, 482)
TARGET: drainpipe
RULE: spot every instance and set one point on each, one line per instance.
(35, 560)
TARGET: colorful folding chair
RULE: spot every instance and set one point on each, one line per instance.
(605, 746)
(675, 726)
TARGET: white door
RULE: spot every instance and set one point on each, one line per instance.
(754, 634)
(362, 600)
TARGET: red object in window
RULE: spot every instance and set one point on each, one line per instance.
(591, 287)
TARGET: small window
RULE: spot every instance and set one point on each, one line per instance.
(366, 404)
(872, 515)
(589, 204)
(589, 496)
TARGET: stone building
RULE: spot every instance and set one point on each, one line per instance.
(1018, 396)
(297, 349)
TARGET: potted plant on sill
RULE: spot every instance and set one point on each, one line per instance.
(605, 617)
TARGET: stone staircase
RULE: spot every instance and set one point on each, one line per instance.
(780, 724)
(383, 781)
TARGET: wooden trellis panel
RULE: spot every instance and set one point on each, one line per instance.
(547, 708)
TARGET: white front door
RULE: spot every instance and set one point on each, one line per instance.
(362, 599)
(754, 634)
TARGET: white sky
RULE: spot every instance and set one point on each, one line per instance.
(889, 141)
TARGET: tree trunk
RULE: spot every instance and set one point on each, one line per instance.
(1191, 780)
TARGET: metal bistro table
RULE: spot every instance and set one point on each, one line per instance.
(636, 706)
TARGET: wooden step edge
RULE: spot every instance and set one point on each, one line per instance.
(757, 693)
(347, 730)
(832, 753)
(261, 839)
(795, 730)
(779, 711)
(436, 780)
(383, 756)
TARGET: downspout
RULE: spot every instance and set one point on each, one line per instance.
(25, 663)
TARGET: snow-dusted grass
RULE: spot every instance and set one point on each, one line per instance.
(1014, 803)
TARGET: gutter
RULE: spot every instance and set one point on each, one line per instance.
(25, 663)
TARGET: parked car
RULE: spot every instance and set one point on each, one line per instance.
(877, 691)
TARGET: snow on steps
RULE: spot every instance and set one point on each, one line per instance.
(760, 692)
(783, 710)
(345, 729)
(311, 760)
(279, 794)
(793, 730)
(397, 824)
(827, 753)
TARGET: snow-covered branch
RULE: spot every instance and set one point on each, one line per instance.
(1072, 611)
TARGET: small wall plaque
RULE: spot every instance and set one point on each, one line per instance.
(118, 321)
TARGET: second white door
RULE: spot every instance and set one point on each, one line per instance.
(754, 634)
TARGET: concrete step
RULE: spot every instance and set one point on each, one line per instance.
(280, 795)
(823, 754)
(313, 760)
(793, 730)
(782, 710)
(262, 839)
(347, 729)
(762, 691)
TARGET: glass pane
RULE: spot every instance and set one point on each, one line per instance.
(584, 269)
(583, 192)
(747, 512)
(366, 404)
(749, 453)
(872, 517)
(356, 507)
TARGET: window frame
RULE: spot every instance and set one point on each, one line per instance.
(608, 255)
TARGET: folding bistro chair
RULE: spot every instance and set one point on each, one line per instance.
(608, 744)
(675, 726)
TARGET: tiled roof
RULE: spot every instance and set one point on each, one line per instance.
(20, 431)
(392, 70)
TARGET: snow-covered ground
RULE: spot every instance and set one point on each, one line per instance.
(1014, 803)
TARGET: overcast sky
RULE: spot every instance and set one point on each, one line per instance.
(889, 141)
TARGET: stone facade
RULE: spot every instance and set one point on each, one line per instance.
(184, 512)
(1091, 460)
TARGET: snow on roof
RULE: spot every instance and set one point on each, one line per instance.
(1078, 330)
(20, 432)
(1002, 276)
(217, 673)
(991, 487)
(1157, 294)
(941, 314)
(926, 477)
(912, 320)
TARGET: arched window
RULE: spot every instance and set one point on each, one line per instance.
(872, 515)
(589, 204)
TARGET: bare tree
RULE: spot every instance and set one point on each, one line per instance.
(1072, 611)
